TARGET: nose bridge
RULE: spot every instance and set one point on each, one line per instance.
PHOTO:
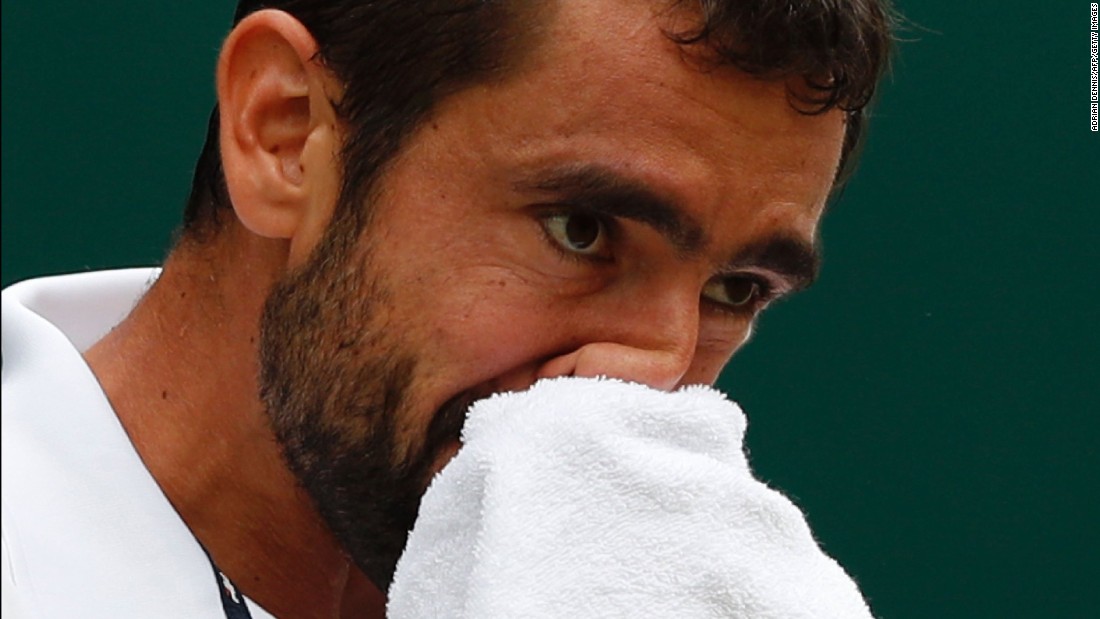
(667, 325)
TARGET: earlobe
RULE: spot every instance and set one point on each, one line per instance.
(264, 96)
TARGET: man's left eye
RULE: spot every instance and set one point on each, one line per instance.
(578, 233)
(737, 292)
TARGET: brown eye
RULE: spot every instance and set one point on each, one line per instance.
(736, 292)
(580, 233)
(740, 291)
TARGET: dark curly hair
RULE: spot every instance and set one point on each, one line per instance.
(398, 58)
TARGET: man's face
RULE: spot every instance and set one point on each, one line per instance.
(610, 209)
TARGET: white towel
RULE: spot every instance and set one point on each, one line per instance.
(596, 498)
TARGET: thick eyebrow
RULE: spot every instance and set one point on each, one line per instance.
(794, 259)
(605, 192)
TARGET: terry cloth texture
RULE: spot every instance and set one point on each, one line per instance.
(597, 498)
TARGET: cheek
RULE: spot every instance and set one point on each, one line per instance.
(490, 327)
(469, 340)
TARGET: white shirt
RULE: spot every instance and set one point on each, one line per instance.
(87, 532)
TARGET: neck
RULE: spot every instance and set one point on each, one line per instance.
(181, 372)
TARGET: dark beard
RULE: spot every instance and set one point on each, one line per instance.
(334, 383)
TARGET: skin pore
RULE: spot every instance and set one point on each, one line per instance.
(610, 209)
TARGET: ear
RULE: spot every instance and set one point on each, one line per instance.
(272, 104)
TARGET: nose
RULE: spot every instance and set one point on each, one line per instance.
(658, 369)
(654, 346)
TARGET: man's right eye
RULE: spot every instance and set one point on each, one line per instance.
(578, 233)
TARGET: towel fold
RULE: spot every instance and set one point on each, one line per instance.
(597, 498)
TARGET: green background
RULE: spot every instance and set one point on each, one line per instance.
(931, 403)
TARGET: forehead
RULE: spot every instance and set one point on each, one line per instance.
(617, 67)
(604, 84)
